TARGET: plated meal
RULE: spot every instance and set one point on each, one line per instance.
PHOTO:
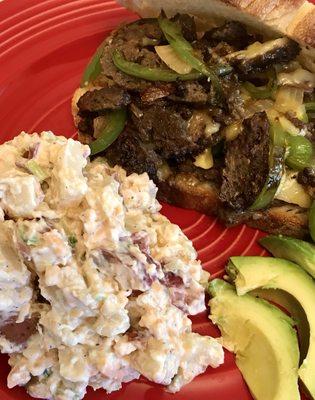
(209, 106)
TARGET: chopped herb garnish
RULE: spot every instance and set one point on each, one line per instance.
(36, 170)
(32, 241)
(47, 372)
(72, 240)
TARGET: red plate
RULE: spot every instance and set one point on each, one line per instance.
(44, 46)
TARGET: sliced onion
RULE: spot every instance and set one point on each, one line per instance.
(289, 98)
(253, 107)
(288, 126)
(300, 78)
(291, 191)
(171, 59)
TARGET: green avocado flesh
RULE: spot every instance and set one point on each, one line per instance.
(250, 273)
(289, 303)
(263, 339)
(298, 251)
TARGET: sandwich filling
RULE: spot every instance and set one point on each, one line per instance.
(225, 107)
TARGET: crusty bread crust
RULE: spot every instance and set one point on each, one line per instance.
(74, 108)
(289, 220)
(302, 26)
(184, 190)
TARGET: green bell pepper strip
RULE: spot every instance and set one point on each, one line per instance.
(159, 74)
(311, 221)
(261, 92)
(115, 124)
(222, 70)
(309, 112)
(94, 68)
(185, 51)
(276, 168)
(257, 92)
(310, 106)
(150, 74)
(72, 240)
(300, 152)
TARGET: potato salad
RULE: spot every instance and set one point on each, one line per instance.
(95, 284)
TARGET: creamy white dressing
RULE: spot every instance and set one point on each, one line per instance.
(118, 279)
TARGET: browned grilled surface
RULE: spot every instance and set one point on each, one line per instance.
(185, 190)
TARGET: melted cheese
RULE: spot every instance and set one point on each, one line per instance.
(204, 160)
(232, 131)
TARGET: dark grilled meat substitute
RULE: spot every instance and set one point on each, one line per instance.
(246, 164)
(133, 155)
(108, 98)
(188, 26)
(232, 32)
(174, 132)
(260, 56)
(309, 127)
(190, 92)
(306, 177)
(136, 42)
(86, 126)
(157, 92)
(161, 132)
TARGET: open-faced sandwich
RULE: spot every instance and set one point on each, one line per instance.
(216, 103)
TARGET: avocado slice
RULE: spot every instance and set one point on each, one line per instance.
(296, 250)
(288, 302)
(251, 273)
(263, 339)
